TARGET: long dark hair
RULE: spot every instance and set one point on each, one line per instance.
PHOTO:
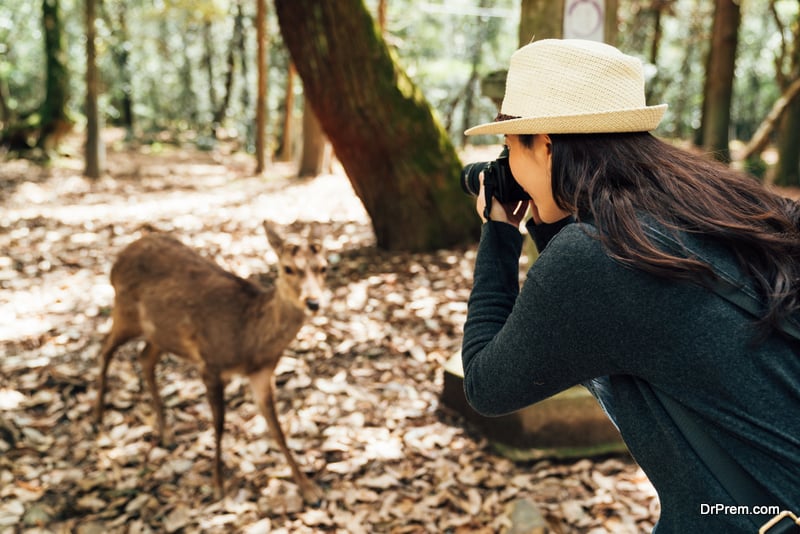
(615, 178)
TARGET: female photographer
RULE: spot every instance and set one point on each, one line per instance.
(647, 252)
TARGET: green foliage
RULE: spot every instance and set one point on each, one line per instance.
(22, 55)
(677, 78)
(435, 43)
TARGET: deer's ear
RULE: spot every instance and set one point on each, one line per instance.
(315, 238)
(275, 241)
(315, 232)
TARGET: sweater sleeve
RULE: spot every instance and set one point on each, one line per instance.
(520, 347)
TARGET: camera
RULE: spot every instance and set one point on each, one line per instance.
(497, 180)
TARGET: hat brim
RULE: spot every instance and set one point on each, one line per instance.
(619, 120)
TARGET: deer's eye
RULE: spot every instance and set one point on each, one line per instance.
(288, 270)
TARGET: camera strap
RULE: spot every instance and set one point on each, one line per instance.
(488, 196)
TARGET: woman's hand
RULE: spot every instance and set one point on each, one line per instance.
(512, 213)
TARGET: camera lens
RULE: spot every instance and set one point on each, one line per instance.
(497, 178)
(470, 178)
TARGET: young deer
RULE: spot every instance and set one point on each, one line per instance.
(182, 303)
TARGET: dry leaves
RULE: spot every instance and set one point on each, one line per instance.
(358, 390)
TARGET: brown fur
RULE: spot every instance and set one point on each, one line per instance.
(182, 303)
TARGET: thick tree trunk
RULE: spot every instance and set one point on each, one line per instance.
(314, 143)
(399, 159)
(719, 79)
(93, 142)
(787, 170)
(541, 19)
(287, 136)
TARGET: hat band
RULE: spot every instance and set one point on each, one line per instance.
(503, 117)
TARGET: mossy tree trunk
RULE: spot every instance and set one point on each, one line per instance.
(55, 121)
(398, 157)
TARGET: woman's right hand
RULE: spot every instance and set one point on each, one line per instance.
(512, 213)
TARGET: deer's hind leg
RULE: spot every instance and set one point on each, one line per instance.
(148, 359)
(121, 332)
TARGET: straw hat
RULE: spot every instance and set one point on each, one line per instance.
(573, 86)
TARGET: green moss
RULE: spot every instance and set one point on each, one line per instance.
(558, 453)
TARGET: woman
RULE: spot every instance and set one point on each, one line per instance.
(634, 236)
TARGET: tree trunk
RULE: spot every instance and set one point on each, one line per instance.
(261, 96)
(382, 5)
(718, 91)
(657, 8)
(286, 137)
(5, 111)
(399, 159)
(119, 46)
(787, 170)
(208, 64)
(680, 129)
(237, 44)
(541, 19)
(55, 121)
(314, 143)
(187, 97)
(93, 142)
(244, 63)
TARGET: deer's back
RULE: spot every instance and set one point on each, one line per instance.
(156, 257)
(184, 302)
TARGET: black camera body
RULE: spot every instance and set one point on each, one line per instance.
(497, 180)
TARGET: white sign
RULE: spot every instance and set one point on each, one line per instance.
(584, 19)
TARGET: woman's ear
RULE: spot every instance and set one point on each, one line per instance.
(548, 143)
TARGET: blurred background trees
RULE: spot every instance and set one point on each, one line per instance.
(187, 71)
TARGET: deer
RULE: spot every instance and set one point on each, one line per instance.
(182, 303)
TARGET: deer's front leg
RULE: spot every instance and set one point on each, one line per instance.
(215, 389)
(262, 384)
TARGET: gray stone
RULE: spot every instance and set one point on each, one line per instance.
(567, 425)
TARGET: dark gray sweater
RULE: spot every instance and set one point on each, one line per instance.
(581, 315)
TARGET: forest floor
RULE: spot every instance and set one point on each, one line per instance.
(359, 389)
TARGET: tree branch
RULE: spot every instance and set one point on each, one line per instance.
(760, 139)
